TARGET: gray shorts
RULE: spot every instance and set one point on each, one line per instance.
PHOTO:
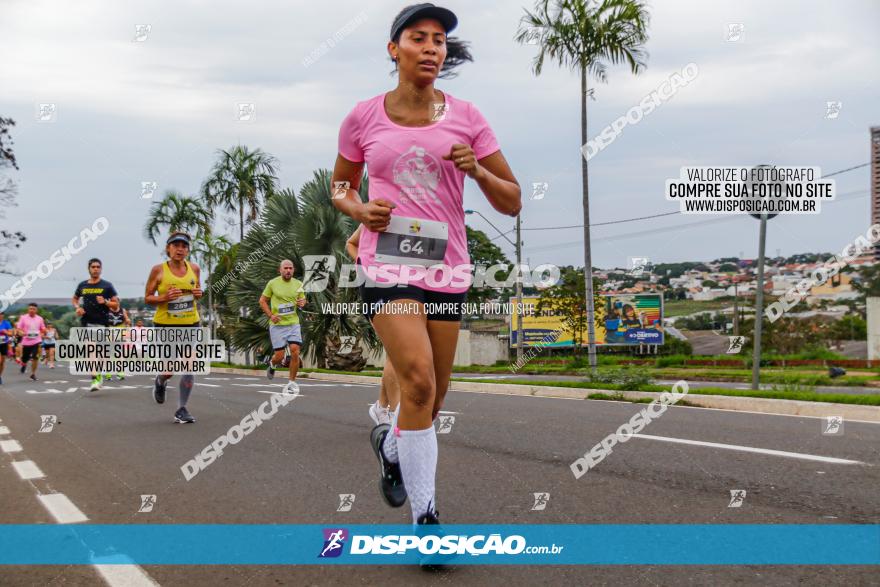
(284, 335)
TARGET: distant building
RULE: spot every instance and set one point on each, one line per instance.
(875, 181)
(838, 287)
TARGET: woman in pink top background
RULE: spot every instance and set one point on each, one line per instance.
(32, 328)
(419, 145)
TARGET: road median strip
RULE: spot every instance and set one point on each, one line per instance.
(737, 401)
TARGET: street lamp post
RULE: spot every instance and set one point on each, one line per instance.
(518, 246)
(759, 294)
(759, 305)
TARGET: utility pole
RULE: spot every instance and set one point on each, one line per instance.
(519, 311)
(735, 308)
(759, 304)
(518, 246)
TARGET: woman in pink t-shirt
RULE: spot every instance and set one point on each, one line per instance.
(419, 144)
(33, 328)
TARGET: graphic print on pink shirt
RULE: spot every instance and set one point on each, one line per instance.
(406, 167)
(31, 328)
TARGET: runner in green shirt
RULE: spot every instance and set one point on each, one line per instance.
(279, 301)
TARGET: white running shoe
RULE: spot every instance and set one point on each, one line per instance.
(292, 387)
(380, 414)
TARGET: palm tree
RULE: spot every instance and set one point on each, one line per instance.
(306, 224)
(208, 250)
(177, 212)
(240, 180)
(586, 36)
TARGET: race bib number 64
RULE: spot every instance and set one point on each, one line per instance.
(412, 241)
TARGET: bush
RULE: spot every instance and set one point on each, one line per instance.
(579, 362)
(675, 346)
(624, 376)
(671, 361)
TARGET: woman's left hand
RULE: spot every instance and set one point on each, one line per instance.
(464, 159)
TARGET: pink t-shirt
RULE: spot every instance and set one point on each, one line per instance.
(31, 328)
(406, 167)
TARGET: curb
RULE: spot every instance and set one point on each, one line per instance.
(249, 372)
(785, 407)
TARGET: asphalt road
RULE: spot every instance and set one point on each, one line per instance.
(112, 446)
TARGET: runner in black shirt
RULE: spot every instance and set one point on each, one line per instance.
(98, 299)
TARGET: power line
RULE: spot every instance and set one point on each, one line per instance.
(665, 213)
(847, 169)
(606, 223)
(727, 218)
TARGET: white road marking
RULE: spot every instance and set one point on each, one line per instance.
(206, 384)
(117, 574)
(499, 376)
(278, 393)
(52, 390)
(27, 470)
(440, 412)
(217, 378)
(763, 451)
(248, 378)
(62, 509)
(10, 446)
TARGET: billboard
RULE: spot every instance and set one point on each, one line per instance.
(628, 319)
(621, 319)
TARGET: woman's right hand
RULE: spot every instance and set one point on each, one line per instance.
(376, 214)
(172, 294)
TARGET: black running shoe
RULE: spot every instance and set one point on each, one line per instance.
(181, 416)
(429, 518)
(432, 562)
(391, 484)
(23, 367)
(285, 362)
(270, 372)
(33, 377)
(159, 390)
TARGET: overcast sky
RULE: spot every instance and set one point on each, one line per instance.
(157, 110)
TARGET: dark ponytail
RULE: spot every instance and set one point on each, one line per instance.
(457, 52)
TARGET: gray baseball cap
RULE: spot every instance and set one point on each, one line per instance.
(426, 10)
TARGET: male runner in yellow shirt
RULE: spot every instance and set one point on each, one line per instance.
(280, 300)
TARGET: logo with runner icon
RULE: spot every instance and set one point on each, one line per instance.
(541, 500)
(832, 425)
(147, 504)
(418, 174)
(334, 542)
(737, 498)
(47, 422)
(445, 424)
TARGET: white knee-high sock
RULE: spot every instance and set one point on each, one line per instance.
(389, 447)
(418, 466)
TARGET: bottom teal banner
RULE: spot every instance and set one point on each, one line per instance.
(525, 544)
